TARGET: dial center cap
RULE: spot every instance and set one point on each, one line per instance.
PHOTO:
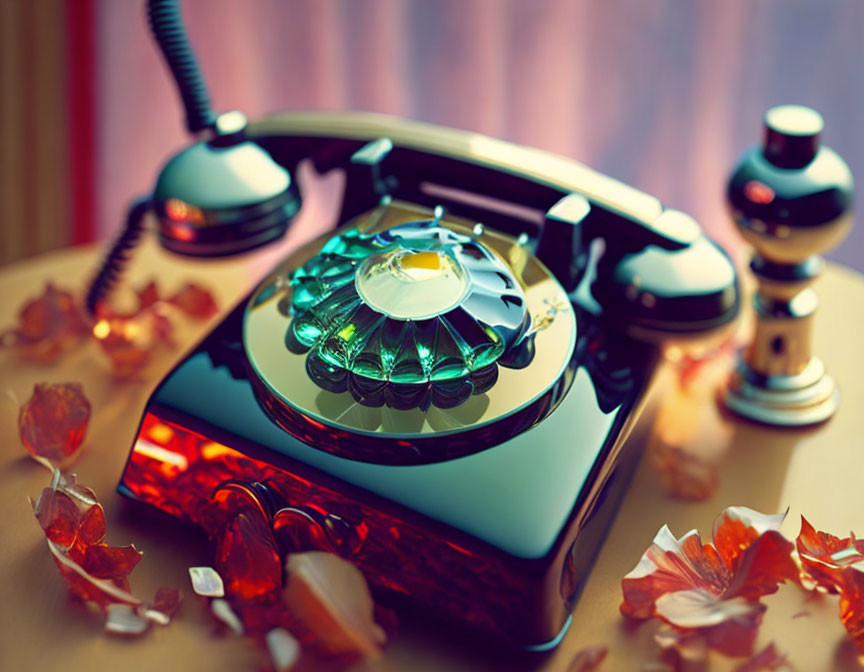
(407, 284)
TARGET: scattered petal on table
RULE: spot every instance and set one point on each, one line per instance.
(687, 648)
(123, 620)
(110, 562)
(729, 626)
(768, 658)
(588, 660)
(222, 610)
(331, 598)
(711, 590)
(53, 422)
(852, 606)
(48, 326)
(129, 341)
(671, 565)
(83, 496)
(147, 295)
(92, 528)
(165, 604)
(58, 516)
(89, 588)
(195, 300)
(74, 526)
(823, 556)
(206, 582)
(284, 649)
(687, 474)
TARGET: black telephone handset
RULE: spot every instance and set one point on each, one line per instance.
(657, 275)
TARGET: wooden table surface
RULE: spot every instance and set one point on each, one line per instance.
(816, 471)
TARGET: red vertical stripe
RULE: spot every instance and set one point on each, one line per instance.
(81, 93)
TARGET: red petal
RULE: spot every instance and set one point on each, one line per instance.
(196, 301)
(686, 475)
(128, 341)
(58, 516)
(91, 529)
(147, 295)
(823, 555)
(48, 326)
(165, 604)
(83, 496)
(671, 565)
(762, 566)
(53, 422)
(87, 587)
(852, 605)
(728, 626)
(710, 593)
(109, 562)
(737, 528)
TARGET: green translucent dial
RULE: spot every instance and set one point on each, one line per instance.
(413, 305)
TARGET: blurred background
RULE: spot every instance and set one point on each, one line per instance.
(662, 94)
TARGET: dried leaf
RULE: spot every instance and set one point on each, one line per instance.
(53, 422)
(48, 326)
(588, 660)
(712, 590)
(330, 597)
(284, 649)
(206, 582)
(196, 301)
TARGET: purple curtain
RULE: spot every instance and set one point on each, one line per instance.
(663, 94)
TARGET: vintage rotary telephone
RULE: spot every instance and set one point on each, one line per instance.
(443, 388)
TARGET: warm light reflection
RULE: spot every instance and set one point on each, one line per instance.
(180, 211)
(168, 458)
(757, 192)
(101, 329)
